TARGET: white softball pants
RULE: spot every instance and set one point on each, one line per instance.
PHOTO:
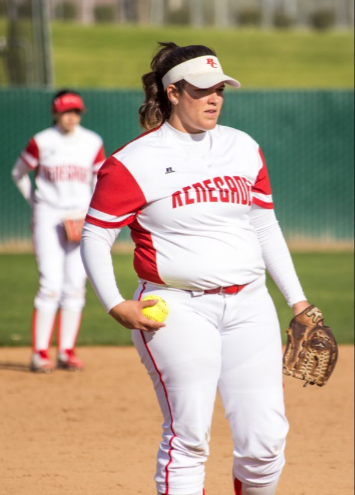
(62, 276)
(229, 343)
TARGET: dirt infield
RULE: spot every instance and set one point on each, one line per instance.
(97, 432)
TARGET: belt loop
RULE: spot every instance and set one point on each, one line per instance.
(197, 293)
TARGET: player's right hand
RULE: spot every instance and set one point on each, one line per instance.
(129, 314)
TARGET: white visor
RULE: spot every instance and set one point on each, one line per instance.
(202, 72)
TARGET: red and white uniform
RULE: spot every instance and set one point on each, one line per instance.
(201, 215)
(65, 168)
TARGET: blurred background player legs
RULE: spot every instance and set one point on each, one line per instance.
(62, 284)
(47, 243)
(72, 304)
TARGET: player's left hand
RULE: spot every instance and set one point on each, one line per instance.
(312, 351)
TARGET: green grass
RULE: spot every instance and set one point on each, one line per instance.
(328, 280)
(114, 56)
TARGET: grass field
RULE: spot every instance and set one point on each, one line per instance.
(328, 279)
(106, 56)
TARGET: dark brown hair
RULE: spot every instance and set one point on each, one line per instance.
(156, 108)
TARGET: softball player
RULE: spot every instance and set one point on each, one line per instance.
(65, 159)
(198, 201)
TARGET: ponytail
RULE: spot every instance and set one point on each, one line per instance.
(156, 108)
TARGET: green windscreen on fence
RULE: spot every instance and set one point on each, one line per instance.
(307, 138)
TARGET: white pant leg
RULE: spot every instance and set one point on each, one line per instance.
(43, 323)
(73, 293)
(68, 329)
(49, 245)
(72, 298)
(184, 363)
(251, 385)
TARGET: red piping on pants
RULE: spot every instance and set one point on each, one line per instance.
(238, 487)
(169, 406)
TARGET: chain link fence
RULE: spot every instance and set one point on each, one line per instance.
(307, 138)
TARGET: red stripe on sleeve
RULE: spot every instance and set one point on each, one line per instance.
(27, 163)
(263, 204)
(101, 156)
(117, 192)
(32, 149)
(262, 183)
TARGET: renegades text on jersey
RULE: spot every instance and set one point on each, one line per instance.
(188, 213)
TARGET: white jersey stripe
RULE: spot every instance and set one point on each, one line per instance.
(29, 160)
(97, 167)
(263, 197)
(99, 215)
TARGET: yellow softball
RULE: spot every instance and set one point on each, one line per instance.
(159, 312)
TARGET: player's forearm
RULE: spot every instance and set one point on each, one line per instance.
(22, 181)
(277, 257)
(96, 247)
(281, 268)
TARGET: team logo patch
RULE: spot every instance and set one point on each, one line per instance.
(212, 63)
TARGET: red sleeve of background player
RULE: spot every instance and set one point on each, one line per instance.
(99, 160)
(117, 198)
(261, 190)
(31, 154)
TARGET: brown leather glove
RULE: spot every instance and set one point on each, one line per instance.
(312, 351)
(73, 229)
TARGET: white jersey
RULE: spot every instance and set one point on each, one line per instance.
(188, 213)
(65, 166)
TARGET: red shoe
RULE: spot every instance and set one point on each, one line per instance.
(41, 363)
(67, 360)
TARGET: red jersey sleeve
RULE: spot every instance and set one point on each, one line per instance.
(261, 190)
(117, 198)
(31, 154)
(99, 160)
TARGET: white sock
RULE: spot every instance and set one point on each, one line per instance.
(260, 490)
(69, 325)
(42, 329)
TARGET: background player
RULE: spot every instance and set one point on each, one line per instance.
(198, 201)
(65, 158)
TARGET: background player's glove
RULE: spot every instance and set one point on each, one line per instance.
(311, 352)
(73, 227)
